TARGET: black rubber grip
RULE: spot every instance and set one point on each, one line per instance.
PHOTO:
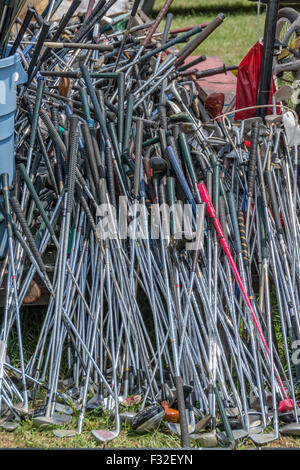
(234, 221)
(63, 23)
(243, 238)
(26, 230)
(110, 175)
(252, 157)
(262, 182)
(185, 437)
(26, 21)
(96, 15)
(72, 160)
(36, 111)
(5, 191)
(223, 217)
(46, 160)
(135, 7)
(138, 156)
(192, 45)
(35, 197)
(38, 48)
(88, 213)
(97, 108)
(53, 132)
(274, 202)
(157, 21)
(59, 160)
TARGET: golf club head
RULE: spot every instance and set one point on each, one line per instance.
(127, 417)
(104, 435)
(95, 402)
(214, 104)
(64, 433)
(206, 439)
(148, 419)
(240, 434)
(292, 429)
(284, 93)
(202, 423)
(262, 439)
(9, 426)
(65, 409)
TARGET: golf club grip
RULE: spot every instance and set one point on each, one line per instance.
(185, 437)
(128, 123)
(157, 21)
(53, 132)
(187, 157)
(72, 160)
(101, 8)
(138, 156)
(63, 23)
(274, 202)
(223, 217)
(59, 165)
(38, 48)
(172, 42)
(35, 197)
(224, 417)
(103, 191)
(88, 213)
(5, 191)
(263, 242)
(167, 27)
(93, 96)
(171, 201)
(243, 238)
(252, 157)
(110, 175)
(85, 104)
(234, 221)
(121, 98)
(262, 182)
(26, 230)
(189, 48)
(135, 7)
(27, 19)
(36, 111)
(181, 178)
(201, 58)
(90, 151)
(216, 186)
(211, 72)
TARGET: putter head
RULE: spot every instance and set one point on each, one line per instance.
(104, 435)
(292, 429)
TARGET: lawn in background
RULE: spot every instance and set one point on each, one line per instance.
(232, 39)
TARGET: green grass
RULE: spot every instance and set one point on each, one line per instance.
(232, 39)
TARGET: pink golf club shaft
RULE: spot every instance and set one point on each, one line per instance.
(212, 213)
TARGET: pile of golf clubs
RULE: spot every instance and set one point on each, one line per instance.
(165, 234)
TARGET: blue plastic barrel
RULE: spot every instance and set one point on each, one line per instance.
(11, 75)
